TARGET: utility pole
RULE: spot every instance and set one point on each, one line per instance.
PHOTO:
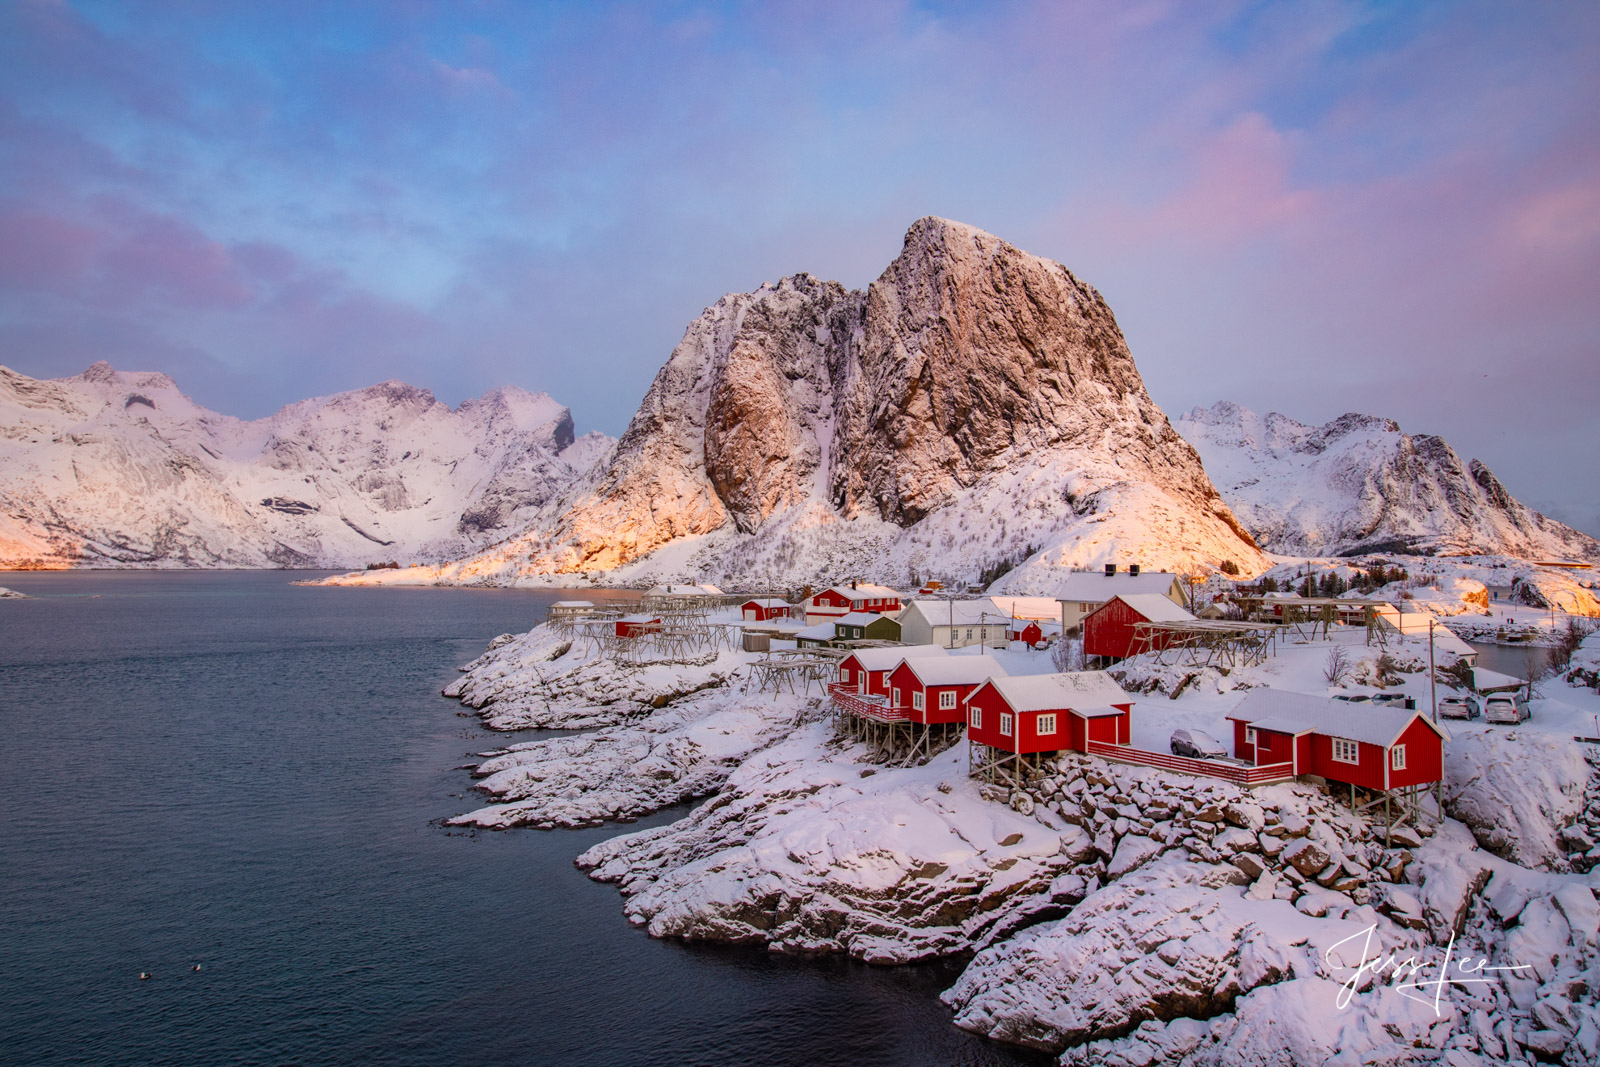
(1433, 681)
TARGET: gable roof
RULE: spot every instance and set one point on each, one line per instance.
(1090, 587)
(1374, 724)
(1154, 607)
(862, 591)
(767, 602)
(884, 659)
(860, 618)
(823, 630)
(1055, 692)
(940, 612)
(1037, 608)
(956, 670)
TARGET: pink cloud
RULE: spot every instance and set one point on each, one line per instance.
(43, 251)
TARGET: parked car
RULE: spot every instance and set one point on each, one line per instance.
(1196, 743)
(1459, 708)
(1395, 700)
(1505, 708)
(1353, 698)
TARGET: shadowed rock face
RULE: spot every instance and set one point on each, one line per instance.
(964, 360)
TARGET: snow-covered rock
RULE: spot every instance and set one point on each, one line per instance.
(1515, 790)
(976, 405)
(119, 468)
(1358, 484)
(11, 594)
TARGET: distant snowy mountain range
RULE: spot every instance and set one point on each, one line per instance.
(1358, 484)
(974, 412)
(111, 468)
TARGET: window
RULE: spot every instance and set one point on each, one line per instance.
(1346, 751)
(969, 633)
(1005, 723)
(947, 699)
(1047, 724)
(1397, 758)
(916, 699)
(1249, 735)
(976, 718)
(897, 696)
(844, 674)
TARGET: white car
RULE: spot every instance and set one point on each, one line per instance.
(1459, 708)
(1508, 708)
(1197, 744)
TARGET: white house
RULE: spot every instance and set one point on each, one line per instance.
(955, 623)
(1085, 591)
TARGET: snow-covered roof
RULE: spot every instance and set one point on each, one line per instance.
(573, 604)
(1416, 624)
(959, 612)
(767, 602)
(1376, 724)
(640, 618)
(823, 630)
(1155, 607)
(859, 618)
(956, 670)
(1484, 680)
(1037, 608)
(863, 590)
(684, 589)
(1095, 713)
(1294, 727)
(1053, 692)
(1093, 588)
(883, 659)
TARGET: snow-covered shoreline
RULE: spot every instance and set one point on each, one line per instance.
(1110, 914)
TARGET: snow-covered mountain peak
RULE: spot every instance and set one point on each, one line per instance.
(1359, 483)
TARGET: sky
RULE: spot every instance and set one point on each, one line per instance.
(1304, 207)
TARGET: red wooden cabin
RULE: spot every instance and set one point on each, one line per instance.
(638, 625)
(867, 669)
(765, 609)
(1366, 745)
(1029, 635)
(1108, 630)
(934, 689)
(857, 596)
(1049, 712)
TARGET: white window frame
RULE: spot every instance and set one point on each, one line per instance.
(1346, 751)
(1249, 735)
(897, 696)
(969, 634)
(916, 699)
(1005, 723)
(975, 719)
(947, 699)
(1046, 724)
(1397, 758)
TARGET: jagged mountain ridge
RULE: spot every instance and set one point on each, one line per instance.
(1359, 484)
(118, 468)
(974, 404)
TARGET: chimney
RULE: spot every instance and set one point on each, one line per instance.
(1111, 568)
(852, 583)
(1133, 570)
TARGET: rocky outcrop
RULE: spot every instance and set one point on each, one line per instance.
(1358, 484)
(975, 406)
(115, 468)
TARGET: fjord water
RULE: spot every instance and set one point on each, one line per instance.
(230, 771)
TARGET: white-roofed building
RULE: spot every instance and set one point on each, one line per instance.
(841, 600)
(1109, 631)
(1084, 591)
(954, 623)
(1034, 713)
(1372, 746)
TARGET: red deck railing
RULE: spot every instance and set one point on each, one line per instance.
(866, 706)
(1228, 772)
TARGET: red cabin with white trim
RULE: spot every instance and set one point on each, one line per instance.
(1367, 745)
(765, 609)
(1108, 630)
(934, 689)
(867, 670)
(638, 625)
(841, 600)
(1049, 712)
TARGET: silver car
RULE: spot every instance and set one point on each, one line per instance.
(1508, 708)
(1459, 708)
(1197, 744)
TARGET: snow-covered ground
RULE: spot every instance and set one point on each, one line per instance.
(1116, 914)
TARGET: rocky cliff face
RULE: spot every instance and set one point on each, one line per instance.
(975, 404)
(123, 469)
(1358, 484)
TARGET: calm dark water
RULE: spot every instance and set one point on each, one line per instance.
(227, 770)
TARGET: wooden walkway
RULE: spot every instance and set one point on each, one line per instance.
(1228, 772)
